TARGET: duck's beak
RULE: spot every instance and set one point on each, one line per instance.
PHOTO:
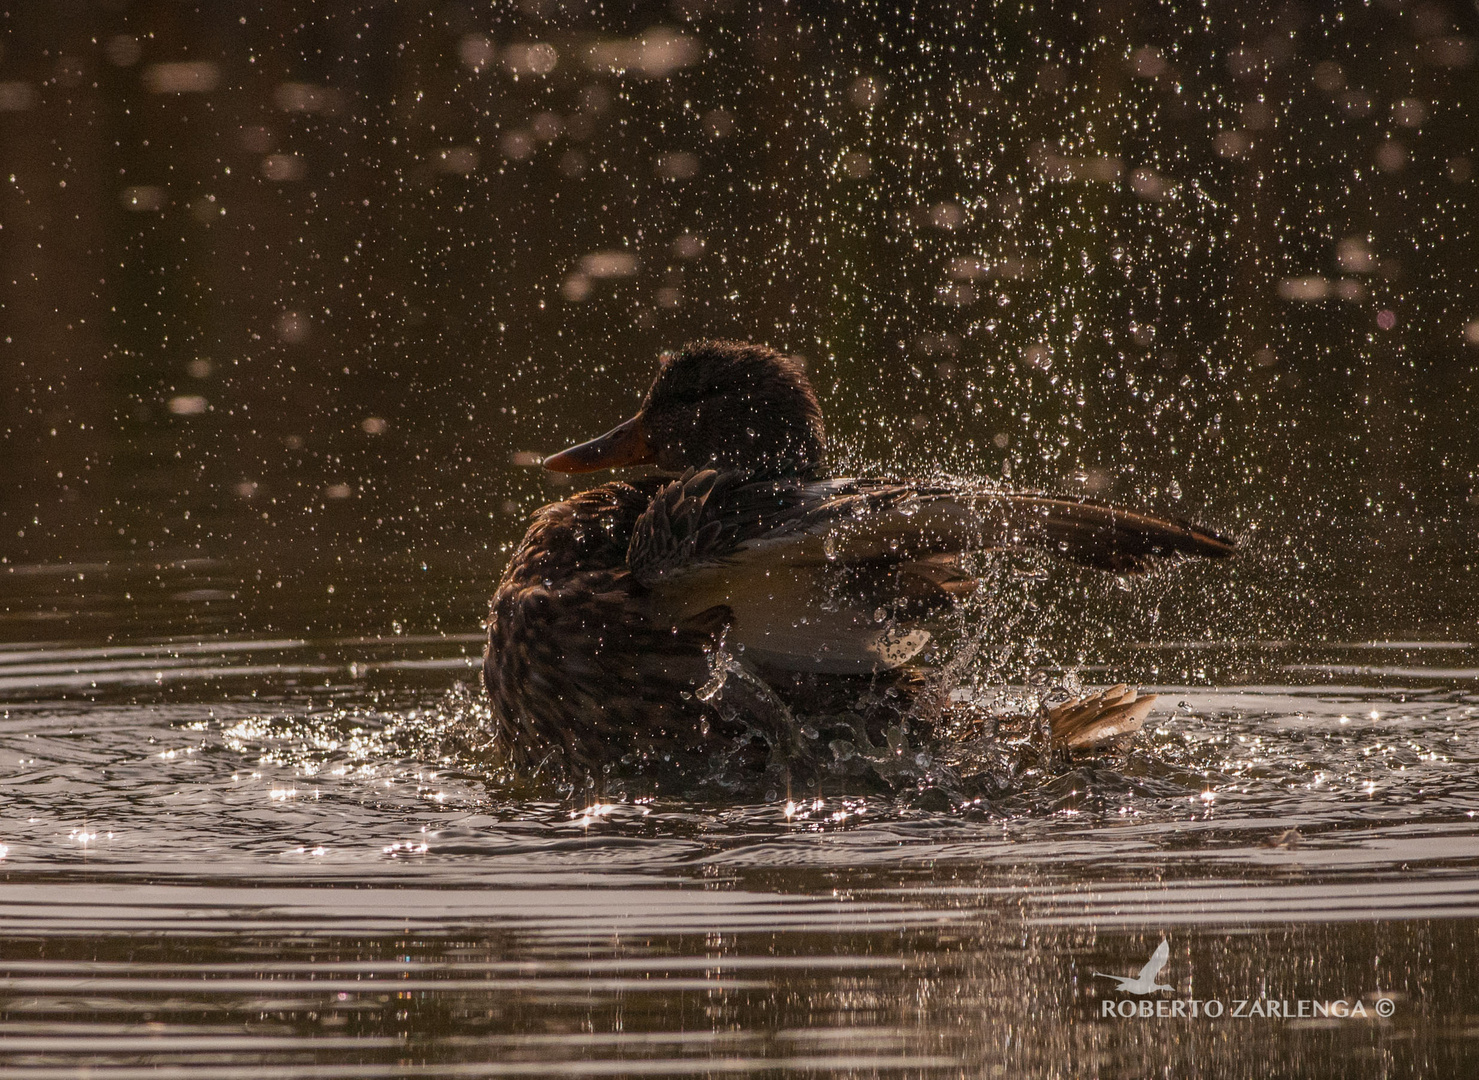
(625, 444)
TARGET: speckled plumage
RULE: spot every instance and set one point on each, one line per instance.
(601, 630)
(575, 664)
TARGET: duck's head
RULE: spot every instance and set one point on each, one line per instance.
(719, 404)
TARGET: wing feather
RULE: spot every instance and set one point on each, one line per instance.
(776, 552)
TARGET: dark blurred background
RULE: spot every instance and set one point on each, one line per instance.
(291, 294)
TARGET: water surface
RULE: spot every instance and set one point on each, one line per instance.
(291, 299)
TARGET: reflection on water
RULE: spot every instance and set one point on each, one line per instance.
(322, 877)
(346, 760)
(290, 302)
(524, 977)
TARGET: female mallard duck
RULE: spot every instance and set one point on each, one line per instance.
(603, 627)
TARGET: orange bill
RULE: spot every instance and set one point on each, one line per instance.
(625, 444)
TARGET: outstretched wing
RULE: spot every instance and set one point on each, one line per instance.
(761, 551)
(854, 521)
(775, 551)
(1157, 961)
(848, 521)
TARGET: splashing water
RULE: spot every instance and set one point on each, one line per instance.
(295, 298)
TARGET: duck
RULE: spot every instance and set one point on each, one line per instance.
(734, 545)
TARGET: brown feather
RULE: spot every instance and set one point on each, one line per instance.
(602, 628)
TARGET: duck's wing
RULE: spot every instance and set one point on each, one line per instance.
(860, 520)
(714, 543)
(780, 554)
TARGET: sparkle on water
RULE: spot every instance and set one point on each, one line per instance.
(293, 299)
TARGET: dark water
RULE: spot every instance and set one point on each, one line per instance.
(288, 296)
